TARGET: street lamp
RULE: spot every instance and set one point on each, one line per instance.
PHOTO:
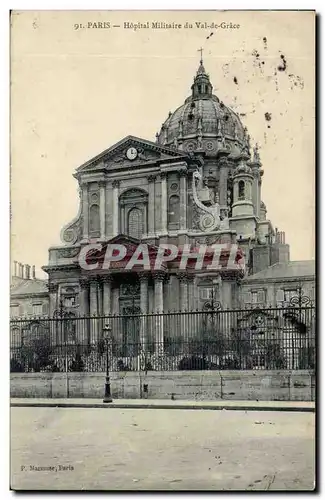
(108, 341)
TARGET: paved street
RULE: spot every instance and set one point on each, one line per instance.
(138, 449)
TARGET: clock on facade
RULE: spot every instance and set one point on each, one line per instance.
(132, 153)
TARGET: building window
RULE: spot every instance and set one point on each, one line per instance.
(206, 293)
(173, 209)
(288, 294)
(241, 190)
(94, 219)
(70, 301)
(37, 309)
(14, 310)
(135, 223)
(254, 296)
(133, 209)
(258, 296)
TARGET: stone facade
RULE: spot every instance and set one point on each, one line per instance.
(199, 183)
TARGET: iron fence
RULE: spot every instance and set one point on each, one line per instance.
(243, 339)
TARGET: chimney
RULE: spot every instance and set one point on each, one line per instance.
(27, 271)
(19, 269)
(33, 272)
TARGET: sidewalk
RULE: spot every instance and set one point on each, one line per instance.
(296, 406)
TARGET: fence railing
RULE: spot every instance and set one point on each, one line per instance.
(242, 339)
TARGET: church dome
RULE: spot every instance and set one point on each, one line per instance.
(203, 122)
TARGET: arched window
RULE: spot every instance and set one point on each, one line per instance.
(135, 223)
(241, 190)
(94, 219)
(173, 209)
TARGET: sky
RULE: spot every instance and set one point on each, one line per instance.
(75, 92)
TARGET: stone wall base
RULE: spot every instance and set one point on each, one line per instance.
(250, 385)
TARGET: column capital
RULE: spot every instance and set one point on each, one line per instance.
(52, 287)
(163, 175)
(183, 277)
(95, 280)
(143, 277)
(84, 283)
(159, 275)
(183, 172)
(116, 184)
(107, 279)
(151, 178)
(223, 163)
(233, 276)
(102, 183)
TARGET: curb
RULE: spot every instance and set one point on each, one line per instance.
(143, 406)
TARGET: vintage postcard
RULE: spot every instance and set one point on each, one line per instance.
(163, 290)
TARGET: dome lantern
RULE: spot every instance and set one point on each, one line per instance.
(202, 85)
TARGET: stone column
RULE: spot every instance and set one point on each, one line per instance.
(100, 296)
(191, 296)
(102, 194)
(163, 177)
(53, 295)
(226, 293)
(229, 319)
(53, 306)
(159, 308)
(183, 318)
(144, 309)
(183, 291)
(85, 212)
(183, 200)
(151, 206)
(115, 185)
(223, 183)
(93, 302)
(107, 295)
(84, 298)
(83, 323)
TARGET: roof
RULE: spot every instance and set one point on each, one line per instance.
(203, 115)
(294, 269)
(16, 280)
(28, 287)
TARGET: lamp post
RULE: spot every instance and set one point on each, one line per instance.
(108, 341)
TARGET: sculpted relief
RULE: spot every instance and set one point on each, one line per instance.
(207, 218)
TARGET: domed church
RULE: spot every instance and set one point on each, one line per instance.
(198, 183)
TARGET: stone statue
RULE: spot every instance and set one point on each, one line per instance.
(210, 219)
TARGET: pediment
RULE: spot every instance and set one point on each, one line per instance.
(128, 241)
(131, 244)
(116, 157)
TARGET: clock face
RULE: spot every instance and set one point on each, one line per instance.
(132, 153)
